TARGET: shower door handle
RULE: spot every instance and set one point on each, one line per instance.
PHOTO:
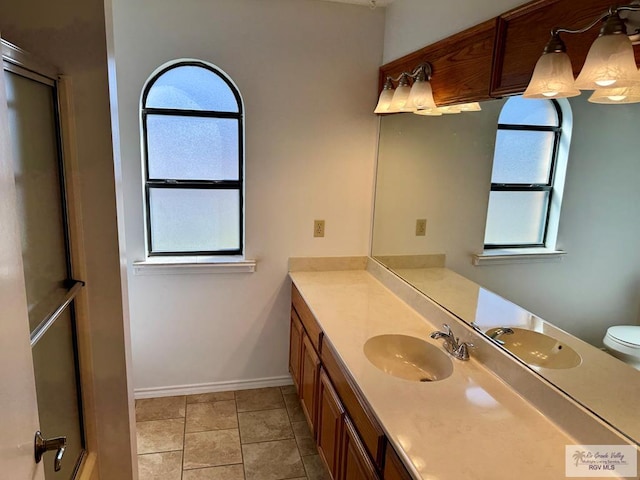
(42, 445)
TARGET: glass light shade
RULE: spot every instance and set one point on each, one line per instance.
(451, 109)
(610, 63)
(431, 112)
(470, 107)
(552, 78)
(616, 95)
(399, 99)
(384, 101)
(421, 96)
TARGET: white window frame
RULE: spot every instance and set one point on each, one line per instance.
(189, 262)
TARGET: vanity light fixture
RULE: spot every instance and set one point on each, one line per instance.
(616, 95)
(407, 97)
(470, 107)
(385, 97)
(450, 109)
(610, 63)
(417, 97)
(431, 112)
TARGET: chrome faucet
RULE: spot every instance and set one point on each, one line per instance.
(498, 332)
(452, 345)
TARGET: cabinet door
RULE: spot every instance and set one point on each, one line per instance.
(295, 348)
(393, 467)
(355, 464)
(330, 422)
(310, 368)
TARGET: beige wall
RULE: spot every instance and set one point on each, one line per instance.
(71, 35)
(413, 24)
(307, 71)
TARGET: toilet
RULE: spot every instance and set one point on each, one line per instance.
(623, 342)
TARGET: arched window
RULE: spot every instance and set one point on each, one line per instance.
(193, 140)
(529, 166)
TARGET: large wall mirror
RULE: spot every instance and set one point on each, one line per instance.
(439, 169)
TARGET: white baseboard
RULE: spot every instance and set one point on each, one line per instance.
(174, 390)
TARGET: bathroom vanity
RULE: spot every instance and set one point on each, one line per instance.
(371, 424)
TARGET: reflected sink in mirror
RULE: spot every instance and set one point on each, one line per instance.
(408, 357)
(538, 349)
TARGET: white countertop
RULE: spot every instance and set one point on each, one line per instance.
(468, 426)
(598, 372)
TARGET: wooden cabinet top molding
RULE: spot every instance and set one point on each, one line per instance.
(461, 65)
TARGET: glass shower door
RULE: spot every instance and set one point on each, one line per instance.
(33, 120)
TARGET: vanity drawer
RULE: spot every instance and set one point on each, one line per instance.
(308, 320)
(371, 433)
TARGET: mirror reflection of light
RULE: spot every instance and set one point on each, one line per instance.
(419, 463)
(479, 397)
(425, 476)
(405, 443)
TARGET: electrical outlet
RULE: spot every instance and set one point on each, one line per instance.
(421, 227)
(318, 228)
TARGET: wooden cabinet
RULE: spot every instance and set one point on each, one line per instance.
(295, 348)
(330, 424)
(304, 361)
(354, 463)
(310, 324)
(461, 65)
(393, 467)
(371, 433)
(350, 441)
(309, 376)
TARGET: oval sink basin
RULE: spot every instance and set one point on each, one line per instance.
(408, 357)
(538, 349)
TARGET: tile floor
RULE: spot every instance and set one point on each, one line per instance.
(256, 434)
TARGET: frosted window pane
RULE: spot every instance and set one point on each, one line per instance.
(32, 126)
(522, 157)
(192, 148)
(516, 218)
(191, 88)
(185, 220)
(528, 111)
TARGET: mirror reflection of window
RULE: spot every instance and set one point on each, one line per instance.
(527, 178)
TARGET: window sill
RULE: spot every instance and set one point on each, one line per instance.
(520, 255)
(191, 265)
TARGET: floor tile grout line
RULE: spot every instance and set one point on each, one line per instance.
(184, 437)
(160, 419)
(235, 398)
(213, 466)
(295, 439)
(159, 451)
